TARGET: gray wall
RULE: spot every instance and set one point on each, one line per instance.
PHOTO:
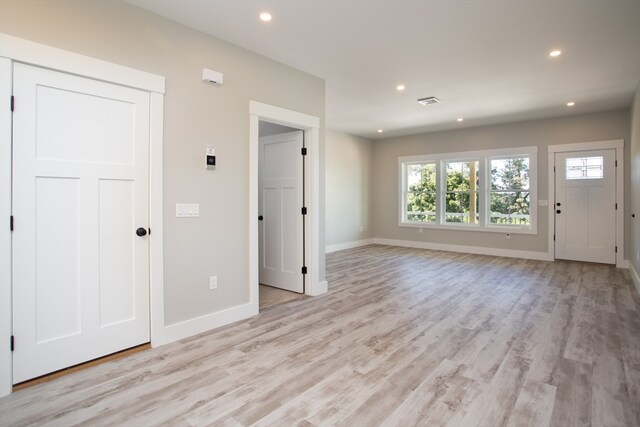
(634, 234)
(564, 130)
(195, 114)
(348, 187)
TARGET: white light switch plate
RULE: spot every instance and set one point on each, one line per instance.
(187, 210)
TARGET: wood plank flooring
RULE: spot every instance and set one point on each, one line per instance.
(404, 337)
(270, 296)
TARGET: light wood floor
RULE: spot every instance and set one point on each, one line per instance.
(404, 337)
(270, 296)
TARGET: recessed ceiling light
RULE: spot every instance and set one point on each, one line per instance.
(265, 16)
(555, 53)
(571, 104)
(400, 87)
(380, 131)
(460, 119)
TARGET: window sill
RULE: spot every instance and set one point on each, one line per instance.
(511, 229)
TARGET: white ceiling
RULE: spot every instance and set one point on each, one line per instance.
(486, 60)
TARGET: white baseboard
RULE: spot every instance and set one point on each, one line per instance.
(634, 276)
(541, 256)
(348, 245)
(198, 325)
(320, 289)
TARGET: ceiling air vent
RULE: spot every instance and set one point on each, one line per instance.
(429, 100)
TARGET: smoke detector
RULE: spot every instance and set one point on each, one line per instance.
(429, 100)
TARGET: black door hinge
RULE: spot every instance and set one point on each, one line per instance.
(149, 231)
(304, 270)
(616, 249)
(304, 151)
(554, 168)
(11, 223)
(304, 210)
(616, 206)
(13, 343)
(554, 237)
(13, 102)
(616, 163)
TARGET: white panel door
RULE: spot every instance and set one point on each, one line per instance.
(81, 274)
(280, 203)
(585, 206)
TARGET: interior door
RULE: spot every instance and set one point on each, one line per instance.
(585, 206)
(280, 203)
(81, 271)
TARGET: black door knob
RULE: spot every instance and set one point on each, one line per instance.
(558, 211)
(260, 218)
(141, 231)
(558, 204)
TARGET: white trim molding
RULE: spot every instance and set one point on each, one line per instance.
(618, 145)
(6, 368)
(478, 250)
(634, 276)
(28, 52)
(311, 127)
(16, 50)
(348, 245)
(207, 322)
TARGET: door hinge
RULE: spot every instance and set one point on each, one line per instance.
(13, 343)
(554, 237)
(304, 210)
(304, 270)
(304, 151)
(11, 223)
(13, 102)
(616, 249)
(616, 163)
(616, 206)
(149, 231)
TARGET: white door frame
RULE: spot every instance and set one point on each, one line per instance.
(618, 145)
(311, 127)
(13, 49)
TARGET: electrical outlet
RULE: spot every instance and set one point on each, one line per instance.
(213, 282)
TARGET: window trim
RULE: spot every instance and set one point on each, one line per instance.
(484, 158)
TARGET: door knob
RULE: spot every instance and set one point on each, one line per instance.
(558, 211)
(141, 231)
(558, 204)
(260, 218)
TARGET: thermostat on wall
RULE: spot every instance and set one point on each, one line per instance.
(211, 157)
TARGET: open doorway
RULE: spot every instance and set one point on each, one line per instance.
(281, 197)
(314, 283)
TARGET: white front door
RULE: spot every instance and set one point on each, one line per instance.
(80, 192)
(280, 204)
(585, 206)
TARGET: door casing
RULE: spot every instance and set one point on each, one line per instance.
(313, 252)
(14, 49)
(618, 145)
